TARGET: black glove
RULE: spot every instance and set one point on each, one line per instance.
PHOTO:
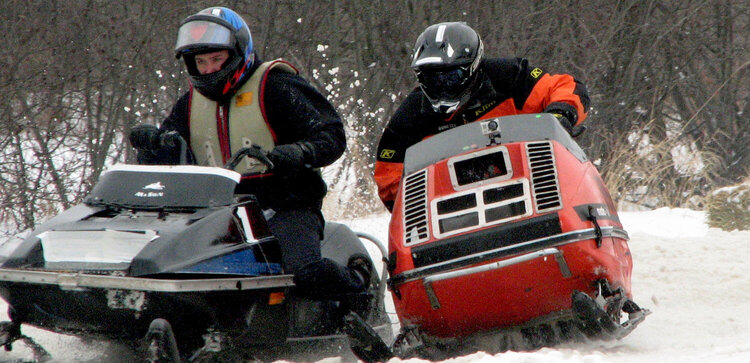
(287, 158)
(145, 137)
(562, 118)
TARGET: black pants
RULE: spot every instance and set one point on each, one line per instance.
(299, 232)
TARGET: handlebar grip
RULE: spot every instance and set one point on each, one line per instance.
(254, 152)
(170, 139)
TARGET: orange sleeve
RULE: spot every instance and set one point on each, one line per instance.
(555, 88)
(388, 177)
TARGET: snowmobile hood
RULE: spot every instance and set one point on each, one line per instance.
(146, 220)
(480, 134)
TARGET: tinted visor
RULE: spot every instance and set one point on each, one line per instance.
(444, 83)
(199, 34)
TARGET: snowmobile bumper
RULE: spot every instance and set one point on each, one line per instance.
(506, 286)
(122, 307)
(532, 249)
(77, 281)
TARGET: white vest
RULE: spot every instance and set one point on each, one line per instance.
(247, 124)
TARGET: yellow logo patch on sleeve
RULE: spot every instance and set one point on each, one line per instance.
(387, 154)
(244, 99)
(536, 72)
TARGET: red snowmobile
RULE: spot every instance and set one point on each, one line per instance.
(504, 237)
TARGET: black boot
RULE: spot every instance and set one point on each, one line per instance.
(359, 302)
(362, 267)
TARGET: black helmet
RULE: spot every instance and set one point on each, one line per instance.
(210, 30)
(446, 58)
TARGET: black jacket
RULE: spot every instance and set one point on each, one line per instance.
(295, 112)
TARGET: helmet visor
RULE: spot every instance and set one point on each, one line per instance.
(444, 83)
(199, 34)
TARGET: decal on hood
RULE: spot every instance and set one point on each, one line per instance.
(153, 190)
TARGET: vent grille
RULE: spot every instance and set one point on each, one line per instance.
(544, 181)
(481, 207)
(415, 208)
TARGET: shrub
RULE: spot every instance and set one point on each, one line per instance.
(729, 207)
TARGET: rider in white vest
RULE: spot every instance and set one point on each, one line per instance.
(234, 101)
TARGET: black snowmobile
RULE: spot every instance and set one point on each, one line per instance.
(171, 254)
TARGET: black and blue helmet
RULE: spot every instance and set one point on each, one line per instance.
(446, 60)
(210, 30)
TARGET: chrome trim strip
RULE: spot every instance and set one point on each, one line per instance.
(384, 254)
(524, 247)
(77, 281)
(432, 297)
(563, 265)
(491, 266)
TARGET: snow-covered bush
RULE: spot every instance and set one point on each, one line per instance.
(728, 208)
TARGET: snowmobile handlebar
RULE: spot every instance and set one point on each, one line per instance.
(173, 139)
(254, 151)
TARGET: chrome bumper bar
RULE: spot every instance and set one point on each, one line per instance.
(79, 281)
(427, 282)
(507, 251)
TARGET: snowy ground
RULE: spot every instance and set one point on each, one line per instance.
(695, 280)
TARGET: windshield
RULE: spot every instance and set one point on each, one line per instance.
(151, 187)
(480, 134)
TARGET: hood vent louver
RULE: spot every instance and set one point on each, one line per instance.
(415, 208)
(544, 180)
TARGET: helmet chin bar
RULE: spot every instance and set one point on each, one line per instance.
(450, 105)
(444, 103)
(212, 85)
(445, 106)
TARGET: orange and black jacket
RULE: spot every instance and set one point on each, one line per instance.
(509, 86)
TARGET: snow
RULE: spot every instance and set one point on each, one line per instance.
(694, 279)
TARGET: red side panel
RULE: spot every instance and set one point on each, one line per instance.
(521, 292)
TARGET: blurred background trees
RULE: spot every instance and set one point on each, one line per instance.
(669, 80)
